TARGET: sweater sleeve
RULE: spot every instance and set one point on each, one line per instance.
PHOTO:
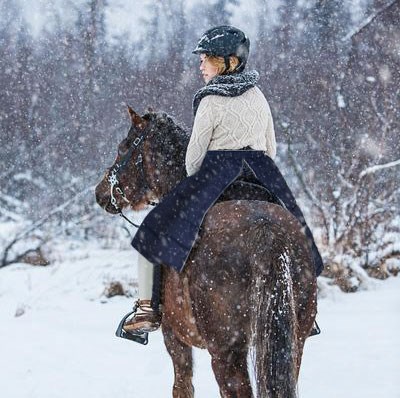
(203, 127)
(270, 136)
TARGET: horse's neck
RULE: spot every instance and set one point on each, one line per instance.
(180, 165)
(173, 173)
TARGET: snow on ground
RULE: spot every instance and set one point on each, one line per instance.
(63, 344)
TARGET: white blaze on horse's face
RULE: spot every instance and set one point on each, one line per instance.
(208, 70)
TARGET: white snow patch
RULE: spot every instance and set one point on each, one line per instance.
(340, 101)
(62, 344)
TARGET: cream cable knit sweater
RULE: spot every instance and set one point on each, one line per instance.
(231, 123)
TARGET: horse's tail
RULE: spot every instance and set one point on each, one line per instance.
(274, 321)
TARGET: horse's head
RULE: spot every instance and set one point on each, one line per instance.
(149, 162)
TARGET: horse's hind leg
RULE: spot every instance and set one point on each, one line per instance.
(182, 360)
(230, 369)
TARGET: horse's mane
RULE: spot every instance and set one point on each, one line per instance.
(166, 123)
(170, 140)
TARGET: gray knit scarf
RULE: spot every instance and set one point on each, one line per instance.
(226, 86)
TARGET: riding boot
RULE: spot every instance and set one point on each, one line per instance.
(148, 315)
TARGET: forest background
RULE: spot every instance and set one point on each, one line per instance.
(329, 69)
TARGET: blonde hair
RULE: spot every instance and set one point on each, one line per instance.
(219, 63)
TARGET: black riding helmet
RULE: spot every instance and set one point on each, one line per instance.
(224, 41)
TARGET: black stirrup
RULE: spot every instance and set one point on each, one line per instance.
(141, 338)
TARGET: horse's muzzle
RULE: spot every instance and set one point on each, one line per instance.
(104, 200)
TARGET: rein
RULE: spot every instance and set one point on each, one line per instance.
(113, 179)
(127, 219)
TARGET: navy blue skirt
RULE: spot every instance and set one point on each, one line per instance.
(168, 233)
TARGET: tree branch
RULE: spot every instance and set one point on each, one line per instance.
(306, 190)
(367, 22)
(19, 257)
(38, 224)
(379, 167)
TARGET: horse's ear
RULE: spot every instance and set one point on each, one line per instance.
(137, 120)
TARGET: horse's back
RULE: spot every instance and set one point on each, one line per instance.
(243, 213)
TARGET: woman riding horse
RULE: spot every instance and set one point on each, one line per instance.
(233, 134)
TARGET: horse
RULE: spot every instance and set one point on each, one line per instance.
(248, 289)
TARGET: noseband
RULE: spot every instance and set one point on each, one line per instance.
(113, 177)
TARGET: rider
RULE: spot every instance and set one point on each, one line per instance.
(232, 131)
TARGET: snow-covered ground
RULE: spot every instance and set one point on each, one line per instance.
(62, 344)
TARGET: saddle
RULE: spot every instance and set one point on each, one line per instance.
(248, 187)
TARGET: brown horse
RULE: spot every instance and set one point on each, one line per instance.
(248, 283)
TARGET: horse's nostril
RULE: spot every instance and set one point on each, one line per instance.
(109, 208)
(102, 201)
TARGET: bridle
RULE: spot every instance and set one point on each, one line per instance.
(113, 175)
